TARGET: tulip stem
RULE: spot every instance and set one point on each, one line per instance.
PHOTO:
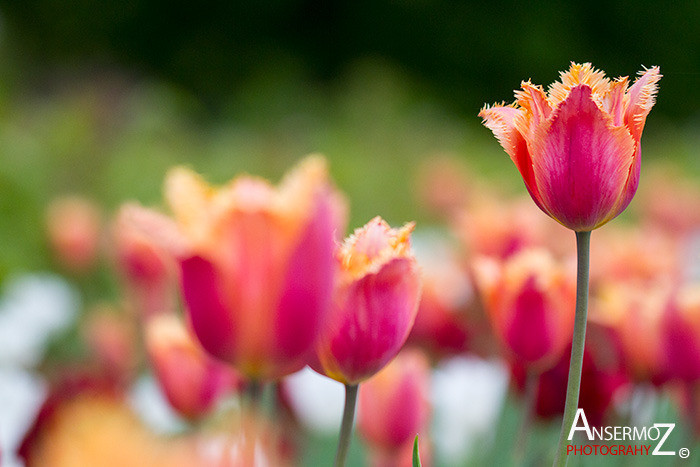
(255, 394)
(346, 425)
(583, 244)
(529, 404)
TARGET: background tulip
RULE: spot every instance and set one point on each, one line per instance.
(374, 305)
(529, 299)
(256, 264)
(394, 406)
(192, 381)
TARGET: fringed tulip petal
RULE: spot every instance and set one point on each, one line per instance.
(642, 96)
(501, 120)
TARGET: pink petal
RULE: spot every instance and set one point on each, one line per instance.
(501, 120)
(582, 162)
(378, 314)
(528, 334)
(307, 289)
(211, 320)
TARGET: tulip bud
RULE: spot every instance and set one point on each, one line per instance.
(394, 405)
(374, 305)
(192, 381)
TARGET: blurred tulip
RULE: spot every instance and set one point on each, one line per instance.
(443, 184)
(443, 323)
(73, 227)
(603, 381)
(192, 381)
(393, 407)
(374, 306)
(681, 335)
(256, 264)
(634, 311)
(500, 227)
(148, 269)
(577, 146)
(112, 338)
(615, 256)
(670, 202)
(530, 301)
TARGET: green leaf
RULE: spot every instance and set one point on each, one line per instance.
(416, 455)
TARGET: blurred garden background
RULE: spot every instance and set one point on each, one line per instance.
(99, 99)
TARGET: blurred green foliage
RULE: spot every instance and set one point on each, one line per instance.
(464, 52)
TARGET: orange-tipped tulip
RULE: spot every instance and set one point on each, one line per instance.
(577, 146)
(375, 303)
(256, 264)
(530, 301)
(192, 381)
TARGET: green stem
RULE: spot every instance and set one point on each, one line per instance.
(583, 243)
(255, 394)
(529, 404)
(346, 425)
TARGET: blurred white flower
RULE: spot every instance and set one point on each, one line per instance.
(33, 308)
(317, 400)
(467, 395)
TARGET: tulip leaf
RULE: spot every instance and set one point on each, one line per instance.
(416, 455)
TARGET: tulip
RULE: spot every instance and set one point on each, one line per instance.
(256, 264)
(578, 150)
(577, 147)
(374, 307)
(73, 225)
(193, 382)
(634, 311)
(443, 324)
(681, 335)
(529, 300)
(394, 406)
(148, 268)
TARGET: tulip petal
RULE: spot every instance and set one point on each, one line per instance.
(307, 288)
(211, 320)
(528, 333)
(501, 120)
(534, 101)
(642, 96)
(581, 162)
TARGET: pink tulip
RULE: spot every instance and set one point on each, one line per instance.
(192, 381)
(148, 268)
(529, 299)
(374, 306)
(680, 341)
(394, 405)
(256, 264)
(577, 147)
